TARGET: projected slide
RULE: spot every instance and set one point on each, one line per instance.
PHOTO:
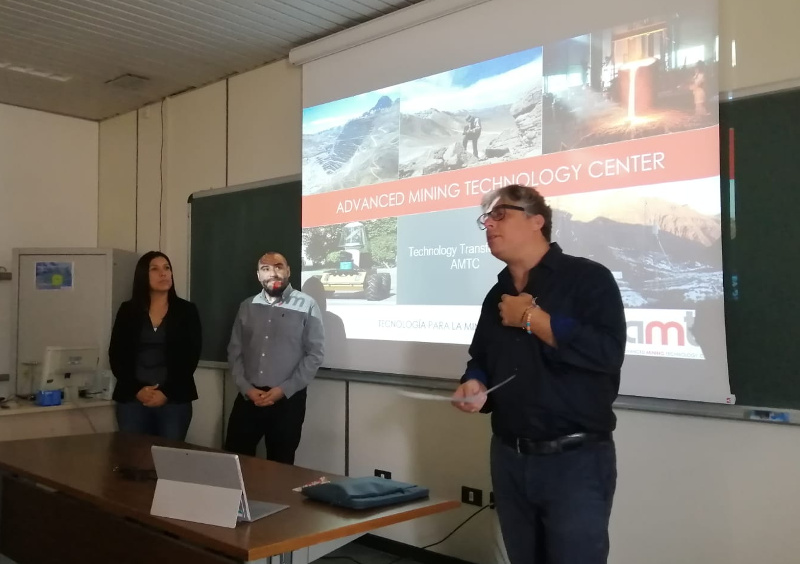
(618, 128)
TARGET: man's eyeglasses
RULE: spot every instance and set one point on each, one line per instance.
(497, 213)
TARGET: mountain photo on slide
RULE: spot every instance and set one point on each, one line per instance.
(476, 115)
(351, 142)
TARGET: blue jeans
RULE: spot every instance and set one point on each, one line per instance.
(170, 420)
(555, 508)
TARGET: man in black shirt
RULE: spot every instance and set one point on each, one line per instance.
(552, 331)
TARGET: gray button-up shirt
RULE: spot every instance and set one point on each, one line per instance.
(277, 344)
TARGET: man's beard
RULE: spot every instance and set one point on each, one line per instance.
(278, 285)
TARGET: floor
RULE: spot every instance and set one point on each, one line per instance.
(354, 553)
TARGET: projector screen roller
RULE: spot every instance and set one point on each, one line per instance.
(617, 127)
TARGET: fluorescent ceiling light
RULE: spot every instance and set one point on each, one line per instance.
(31, 71)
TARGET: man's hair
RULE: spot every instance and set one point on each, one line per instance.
(269, 254)
(527, 197)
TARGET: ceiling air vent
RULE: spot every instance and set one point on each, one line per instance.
(128, 82)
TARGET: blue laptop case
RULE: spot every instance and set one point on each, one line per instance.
(364, 493)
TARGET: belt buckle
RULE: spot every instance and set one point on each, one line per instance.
(552, 447)
(573, 441)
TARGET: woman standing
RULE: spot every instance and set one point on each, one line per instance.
(154, 351)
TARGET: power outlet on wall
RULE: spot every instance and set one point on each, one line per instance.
(471, 496)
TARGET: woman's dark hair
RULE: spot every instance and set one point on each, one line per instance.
(141, 280)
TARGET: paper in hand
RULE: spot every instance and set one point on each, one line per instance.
(439, 397)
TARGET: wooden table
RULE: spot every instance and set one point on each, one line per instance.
(63, 502)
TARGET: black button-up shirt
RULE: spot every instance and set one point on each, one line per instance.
(558, 390)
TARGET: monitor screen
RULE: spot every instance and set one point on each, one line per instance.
(68, 367)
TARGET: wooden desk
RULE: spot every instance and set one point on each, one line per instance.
(63, 502)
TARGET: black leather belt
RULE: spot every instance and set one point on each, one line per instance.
(561, 444)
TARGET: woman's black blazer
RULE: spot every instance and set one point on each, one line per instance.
(184, 337)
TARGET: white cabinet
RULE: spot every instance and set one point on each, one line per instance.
(64, 297)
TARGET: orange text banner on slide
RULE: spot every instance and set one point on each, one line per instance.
(686, 155)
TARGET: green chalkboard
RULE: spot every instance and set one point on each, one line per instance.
(761, 244)
(230, 230)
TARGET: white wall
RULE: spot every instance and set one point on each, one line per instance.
(766, 45)
(690, 489)
(48, 191)
(264, 124)
(117, 175)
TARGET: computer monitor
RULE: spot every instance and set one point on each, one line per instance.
(68, 368)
